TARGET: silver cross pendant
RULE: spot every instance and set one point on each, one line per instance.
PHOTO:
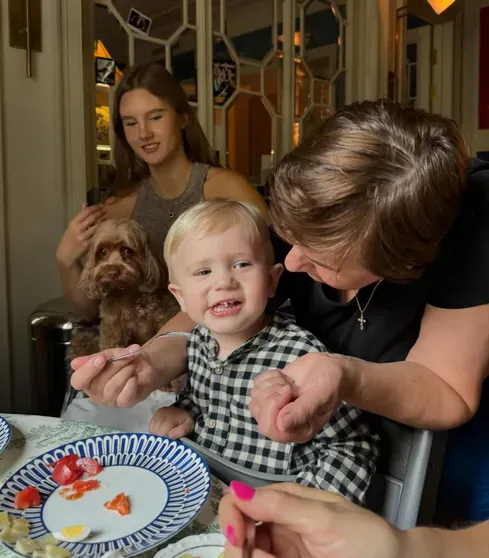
(362, 321)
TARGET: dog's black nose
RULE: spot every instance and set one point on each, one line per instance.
(113, 274)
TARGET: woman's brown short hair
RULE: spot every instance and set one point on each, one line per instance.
(377, 180)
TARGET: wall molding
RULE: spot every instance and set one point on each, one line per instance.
(5, 362)
(78, 100)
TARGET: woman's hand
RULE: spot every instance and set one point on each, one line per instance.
(294, 404)
(305, 522)
(122, 383)
(76, 239)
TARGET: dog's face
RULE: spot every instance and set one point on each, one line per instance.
(119, 259)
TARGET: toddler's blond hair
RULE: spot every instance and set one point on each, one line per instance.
(216, 216)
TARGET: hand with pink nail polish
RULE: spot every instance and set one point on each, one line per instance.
(304, 522)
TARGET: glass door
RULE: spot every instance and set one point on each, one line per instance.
(256, 102)
(121, 37)
(319, 61)
(247, 84)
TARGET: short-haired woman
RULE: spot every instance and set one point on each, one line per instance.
(389, 225)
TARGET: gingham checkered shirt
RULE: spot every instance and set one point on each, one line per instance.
(341, 457)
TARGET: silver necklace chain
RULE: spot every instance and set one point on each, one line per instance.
(361, 320)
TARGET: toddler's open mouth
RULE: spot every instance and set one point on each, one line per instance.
(226, 307)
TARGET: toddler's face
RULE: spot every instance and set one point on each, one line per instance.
(223, 281)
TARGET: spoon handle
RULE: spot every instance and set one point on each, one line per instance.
(146, 345)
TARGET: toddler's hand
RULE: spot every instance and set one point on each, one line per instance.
(171, 422)
(272, 391)
(294, 405)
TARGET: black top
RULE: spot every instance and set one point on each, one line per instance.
(459, 278)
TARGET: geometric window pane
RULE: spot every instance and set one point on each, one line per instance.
(302, 90)
(249, 136)
(253, 41)
(250, 78)
(216, 15)
(113, 37)
(321, 41)
(123, 7)
(220, 50)
(274, 83)
(167, 18)
(184, 62)
(321, 92)
(245, 34)
(145, 52)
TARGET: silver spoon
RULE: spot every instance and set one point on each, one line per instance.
(249, 542)
(148, 343)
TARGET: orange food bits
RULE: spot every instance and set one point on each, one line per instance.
(120, 504)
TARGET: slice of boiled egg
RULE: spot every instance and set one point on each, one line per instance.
(75, 533)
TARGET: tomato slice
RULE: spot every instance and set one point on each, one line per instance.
(66, 472)
(120, 504)
(69, 460)
(27, 498)
(89, 466)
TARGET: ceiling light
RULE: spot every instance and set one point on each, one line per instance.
(440, 5)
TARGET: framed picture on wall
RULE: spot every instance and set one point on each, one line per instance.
(138, 21)
(105, 71)
(224, 80)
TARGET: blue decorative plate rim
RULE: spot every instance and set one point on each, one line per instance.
(180, 509)
(192, 543)
(5, 433)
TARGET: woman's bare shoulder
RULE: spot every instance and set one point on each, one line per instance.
(121, 206)
(226, 183)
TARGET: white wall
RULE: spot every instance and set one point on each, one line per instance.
(5, 379)
(422, 37)
(478, 139)
(443, 84)
(35, 127)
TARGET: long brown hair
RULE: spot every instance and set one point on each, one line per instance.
(377, 180)
(157, 80)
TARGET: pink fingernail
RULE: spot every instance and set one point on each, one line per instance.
(242, 491)
(231, 535)
(99, 361)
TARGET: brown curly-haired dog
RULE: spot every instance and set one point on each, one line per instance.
(126, 274)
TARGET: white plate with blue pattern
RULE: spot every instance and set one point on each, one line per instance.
(196, 546)
(167, 484)
(5, 433)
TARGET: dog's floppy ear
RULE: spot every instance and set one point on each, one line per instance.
(153, 270)
(87, 281)
(151, 264)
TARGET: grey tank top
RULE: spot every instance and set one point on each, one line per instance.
(156, 214)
